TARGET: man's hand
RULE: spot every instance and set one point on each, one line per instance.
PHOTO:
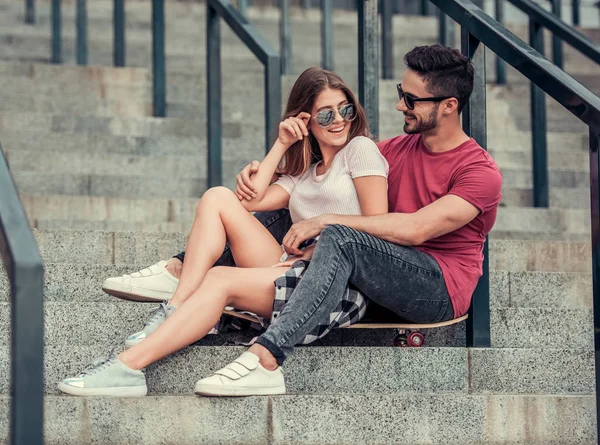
(245, 189)
(174, 266)
(302, 231)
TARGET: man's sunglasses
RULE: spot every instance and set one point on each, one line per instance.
(410, 100)
(326, 117)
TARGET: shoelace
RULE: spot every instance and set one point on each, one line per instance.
(158, 312)
(99, 363)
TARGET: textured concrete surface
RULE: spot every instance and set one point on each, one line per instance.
(533, 371)
(542, 328)
(327, 419)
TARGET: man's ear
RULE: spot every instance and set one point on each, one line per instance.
(450, 105)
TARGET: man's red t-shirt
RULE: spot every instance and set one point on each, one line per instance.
(417, 177)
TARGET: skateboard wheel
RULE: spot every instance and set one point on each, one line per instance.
(415, 339)
(401, 340)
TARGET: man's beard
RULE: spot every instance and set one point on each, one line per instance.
(422, 126)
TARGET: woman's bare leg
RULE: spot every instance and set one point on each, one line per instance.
(221, 217)
(246, 289)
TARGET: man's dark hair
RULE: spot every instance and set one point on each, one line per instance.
(446, 71)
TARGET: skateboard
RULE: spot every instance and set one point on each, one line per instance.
(407, 334)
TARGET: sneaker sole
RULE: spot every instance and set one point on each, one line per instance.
(133, 293)
(228, 391)
(128, 391)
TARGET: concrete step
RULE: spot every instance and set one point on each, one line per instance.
(101, 209)
(112, 226)
(103, 248)
(73, 282)
(362, 370)
(81, 283)
(83, 324)
(576, 198)
(120, 184)
(303, 419)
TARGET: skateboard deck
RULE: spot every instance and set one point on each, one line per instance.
(407, 333)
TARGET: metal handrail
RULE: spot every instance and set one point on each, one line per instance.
(572, 95)
(479, 29)
(216, 9)
(158, 44)
(25, 272)
(559, 28)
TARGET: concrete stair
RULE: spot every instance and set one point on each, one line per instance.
(109, 190)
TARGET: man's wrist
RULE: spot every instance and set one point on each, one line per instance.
(327, 220)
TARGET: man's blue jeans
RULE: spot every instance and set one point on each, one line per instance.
(402, 279)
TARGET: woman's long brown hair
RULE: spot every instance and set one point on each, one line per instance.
(308, 86)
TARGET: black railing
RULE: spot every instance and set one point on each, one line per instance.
(25, 272)
(479, 29)
(215, 10)
(158, 43)
(540, 19)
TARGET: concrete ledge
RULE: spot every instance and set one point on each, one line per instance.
(311, 370)
(327, 419)
(90, 247)
(542, 328)
(531, 371)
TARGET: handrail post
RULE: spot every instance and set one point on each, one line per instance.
(272, 99)
(474, 124)
(442, 28)
(285, 37)
(213, 96)
(30, 11)
(595, 214)
(158, 58)
(327, 34)
(575, 6)
(424, 10)
(387, 39)
(500, 64)
(119, 32)
(243, 7)
(82, 34)
(538, 126)
(56, 32)
(25, 272)
(557, 49)
(368, 61)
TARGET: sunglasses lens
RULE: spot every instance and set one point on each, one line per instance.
(348, 112)
(410, 103)
(325, 117)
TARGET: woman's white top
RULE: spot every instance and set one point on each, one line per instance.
(334, 192)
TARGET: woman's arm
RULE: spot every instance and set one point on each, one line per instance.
(274, 198)
(372, 194)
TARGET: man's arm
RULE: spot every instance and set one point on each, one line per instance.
(443, 216)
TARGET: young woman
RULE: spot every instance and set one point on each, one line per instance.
(326, 163)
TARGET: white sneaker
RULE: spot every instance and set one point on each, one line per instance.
(154, 284)
(243, 377)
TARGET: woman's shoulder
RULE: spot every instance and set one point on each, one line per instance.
(361, 141)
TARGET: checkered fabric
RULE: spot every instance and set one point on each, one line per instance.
(350, 309)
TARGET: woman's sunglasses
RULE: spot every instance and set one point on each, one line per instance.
(410, 100)
(326, 117)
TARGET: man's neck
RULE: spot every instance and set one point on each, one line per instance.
(444, 138)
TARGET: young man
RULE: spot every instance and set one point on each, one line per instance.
(421, 260)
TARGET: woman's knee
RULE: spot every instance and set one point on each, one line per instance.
(216, 196)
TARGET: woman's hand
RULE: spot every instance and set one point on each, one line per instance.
(306, 256)
(293, 129)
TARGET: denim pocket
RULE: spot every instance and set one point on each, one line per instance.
(425, 311)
